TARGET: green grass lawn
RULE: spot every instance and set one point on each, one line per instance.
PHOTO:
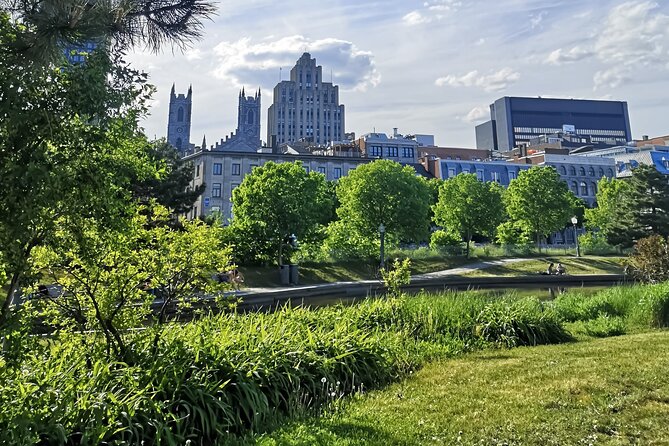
(611, 391)
(574, 265)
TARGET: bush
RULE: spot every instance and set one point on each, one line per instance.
(594, 243)
(446, 241)
(650, 260)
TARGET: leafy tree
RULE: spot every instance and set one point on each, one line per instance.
(111, 278)
(384, 192)
(611, 218)
(278, 200)
(539, 202)
(170, 187)
(650, 260)
(468, 206)
(59, 154)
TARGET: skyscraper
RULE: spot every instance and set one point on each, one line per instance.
(179, 120)
(305, 108)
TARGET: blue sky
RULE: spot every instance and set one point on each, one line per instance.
(429, 67)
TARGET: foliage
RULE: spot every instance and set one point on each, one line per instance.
(539, 202)
(110, 279)
(342, 242)
(448, 240)
(594, 243)
(468, 207)
(170, 186)
(603, 326)
(147, 23)
(234, 372)
(650, 260)
(398, 275)
(385, 193)
(612, 220)
(513, 233)
(277, 200)
(648, 200)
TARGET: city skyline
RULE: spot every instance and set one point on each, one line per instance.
(426, 67)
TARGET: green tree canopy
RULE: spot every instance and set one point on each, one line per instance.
(613, 220)
(278, 200)
(468, 206)
(648, 200)
(539, 201)
(384, 192)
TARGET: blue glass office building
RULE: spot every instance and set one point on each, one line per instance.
(516, 120)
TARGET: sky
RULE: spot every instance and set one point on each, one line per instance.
(425, 67)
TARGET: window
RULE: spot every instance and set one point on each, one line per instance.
(407, 152)
(581, 171)
(197, 170)
(236, 169)
(306, 168)
(180, 114)
(563, 170)
(393, 152)
(218, 169)
(233, 186)
(593, 188)
(495, 176)
(375, 151)
(609, 173)
(451, 172)
(480, 175)
(512, 175)
(572, 170)
(584, 188)
(216, 190)
(591, 171)
(321, 169)
(601, 172)
(337, 173)
(574, 187)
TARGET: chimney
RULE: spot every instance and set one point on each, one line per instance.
(645, 137)
(394, 132)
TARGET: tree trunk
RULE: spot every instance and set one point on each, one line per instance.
(9, 300)
(469, 241)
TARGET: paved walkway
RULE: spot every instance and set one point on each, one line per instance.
(433, 275)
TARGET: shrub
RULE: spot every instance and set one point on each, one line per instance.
(604, 326)
(594, 243)
(650, 260)
(446, 241)
(397, 276)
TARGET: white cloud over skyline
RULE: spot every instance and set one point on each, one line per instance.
(423, 66)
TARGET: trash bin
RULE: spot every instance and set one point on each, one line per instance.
(284, 272)
(294, 274)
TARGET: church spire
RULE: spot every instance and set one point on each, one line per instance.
(190, 90)
(204, 142)
(243, 94)
(172, 92)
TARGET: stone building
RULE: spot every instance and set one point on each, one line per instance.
(246, 137)
(179, 120)
(305, 107)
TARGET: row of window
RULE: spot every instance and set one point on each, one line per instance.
(549, 130)
(216, 189)
(480, 174)
(584, 190)
(391, 152)
(581, 171)
(236, 170)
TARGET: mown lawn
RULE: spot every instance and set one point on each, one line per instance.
(611, 391)
(574, 265)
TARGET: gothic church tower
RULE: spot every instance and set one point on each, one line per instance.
(248, 116)
(179, 120)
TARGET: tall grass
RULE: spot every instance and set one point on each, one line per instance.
(230, 374)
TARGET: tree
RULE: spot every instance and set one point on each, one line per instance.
(468, 206)
(385, 193)
(539, 201)
(111, 278)
(61, 154)
(648, 200)
(613, 220)
(123, 23)
(170, 187)
(278, 200)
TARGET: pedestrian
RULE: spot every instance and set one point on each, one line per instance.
(551, 270)
(561, 270)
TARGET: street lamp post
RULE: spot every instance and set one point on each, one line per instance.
(382, 231)
(574, 220)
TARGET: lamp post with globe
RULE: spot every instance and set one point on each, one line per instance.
(574, 220)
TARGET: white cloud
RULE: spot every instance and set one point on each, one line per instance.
(477, 114)
(495, 81)
(432, 11)
(537, 19)
(560, 56)
(634, 35)
(193, 54)
(245, 62)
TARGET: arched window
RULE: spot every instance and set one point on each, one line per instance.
(563, 170)
(609, 173)
(572, 170)
(601, 172)
(581, 171)
(180, 114)
(179, 143)
(249, 117)
(593, 188)
(591, 171)
(574, 187)
(584, 188)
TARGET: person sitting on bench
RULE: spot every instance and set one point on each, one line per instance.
(550, 271)
(561, 270)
